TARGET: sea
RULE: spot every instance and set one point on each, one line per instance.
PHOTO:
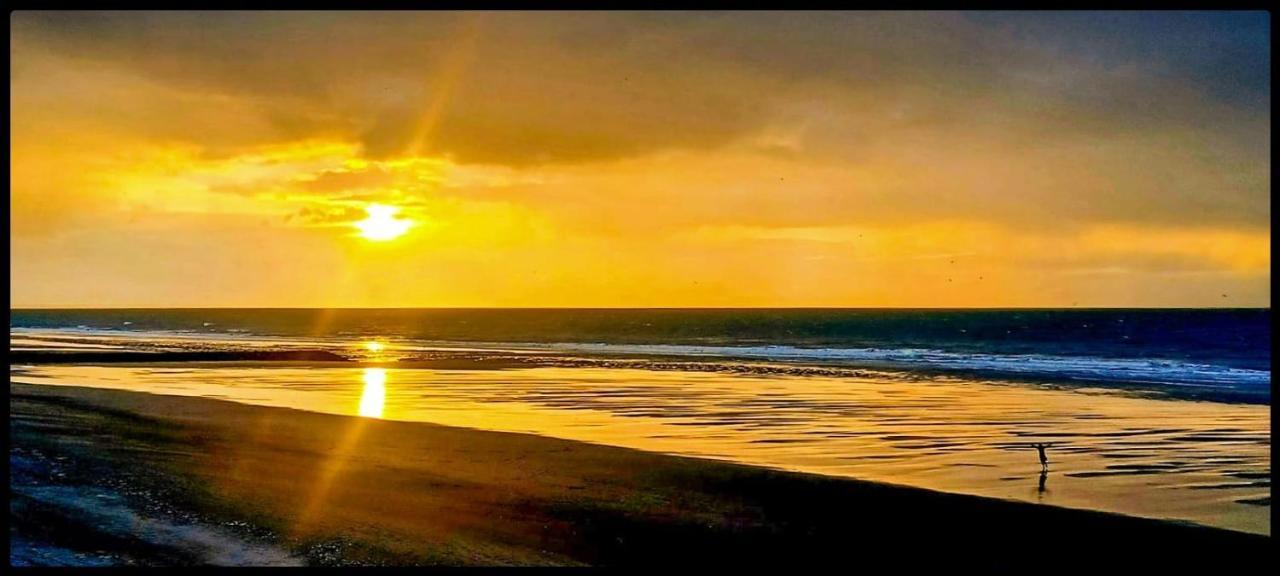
(1214, 354)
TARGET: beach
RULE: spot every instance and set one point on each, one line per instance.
(1110, 450)
(284, 486)
(174, 442)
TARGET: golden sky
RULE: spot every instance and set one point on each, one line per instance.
(622, 159)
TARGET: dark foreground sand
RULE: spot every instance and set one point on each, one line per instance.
(111, 477)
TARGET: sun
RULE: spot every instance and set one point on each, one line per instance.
(382, 224)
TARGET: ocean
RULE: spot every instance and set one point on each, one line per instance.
(1213, 354)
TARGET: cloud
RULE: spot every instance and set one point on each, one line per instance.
(971, 112)
(939, 244)
(582, 143)
(522, 88)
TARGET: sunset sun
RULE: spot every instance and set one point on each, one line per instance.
(381, 224)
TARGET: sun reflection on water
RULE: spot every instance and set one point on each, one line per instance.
(374, 396)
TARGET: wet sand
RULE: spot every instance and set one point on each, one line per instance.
(1204, 462)
(126, 357)
(222, 482)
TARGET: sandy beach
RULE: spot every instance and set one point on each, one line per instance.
(1113, 450)
(226, 483)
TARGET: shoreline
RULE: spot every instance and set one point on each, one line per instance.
(414, 493)
(497, 358)
(1146, 457)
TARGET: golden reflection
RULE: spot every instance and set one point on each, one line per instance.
(374, 396)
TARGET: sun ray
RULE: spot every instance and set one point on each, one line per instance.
(453, 67)
(372, 399)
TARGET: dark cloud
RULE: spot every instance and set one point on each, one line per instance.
(570, 87)
(325, 215)
(1227, 54)
(507, 99)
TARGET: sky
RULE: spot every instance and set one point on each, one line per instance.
(186, 159)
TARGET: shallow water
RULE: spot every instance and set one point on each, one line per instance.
(1145, 376)
(1213, 354)
(1200, 461)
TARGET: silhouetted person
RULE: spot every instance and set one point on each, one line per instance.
(1044, 460)
(1044, 475)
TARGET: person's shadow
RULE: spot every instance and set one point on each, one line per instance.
(1041, 489)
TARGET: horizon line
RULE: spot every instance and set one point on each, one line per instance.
(77, 308)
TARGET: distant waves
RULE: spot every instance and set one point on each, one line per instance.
(1164, 377)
